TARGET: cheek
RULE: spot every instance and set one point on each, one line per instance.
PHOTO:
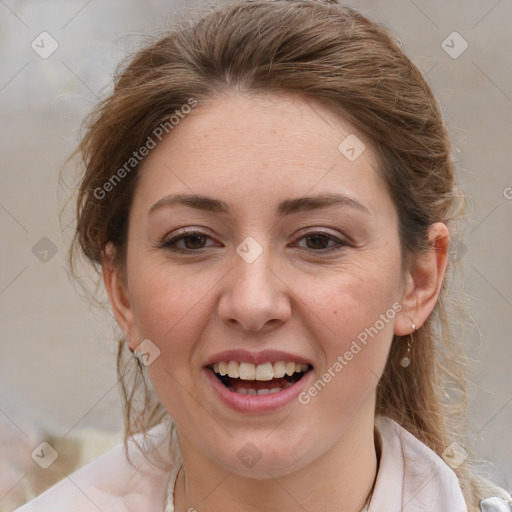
(351, 296)
(169, 308)
(354, 311)
(171, 312)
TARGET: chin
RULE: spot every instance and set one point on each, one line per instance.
(266, 461)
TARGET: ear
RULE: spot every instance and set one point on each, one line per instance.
(117, 291)
(424, 281)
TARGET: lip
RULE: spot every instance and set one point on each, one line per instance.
(257, 404)
(264, 356)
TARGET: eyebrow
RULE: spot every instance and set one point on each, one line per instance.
(284, 208)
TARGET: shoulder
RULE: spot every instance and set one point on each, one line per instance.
(412, 474)
(111, 483)
(419, 461)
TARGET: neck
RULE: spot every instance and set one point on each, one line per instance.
(338, 480)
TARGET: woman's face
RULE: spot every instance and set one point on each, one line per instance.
(266, 267)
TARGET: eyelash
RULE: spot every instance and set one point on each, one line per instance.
(170, 244)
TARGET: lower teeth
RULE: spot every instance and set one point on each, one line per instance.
(250, 391)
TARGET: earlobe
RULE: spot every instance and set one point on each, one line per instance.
(117, 291)
(424, 283)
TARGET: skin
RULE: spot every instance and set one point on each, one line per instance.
(253, 152)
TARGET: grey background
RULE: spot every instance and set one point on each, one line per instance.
(57, 365)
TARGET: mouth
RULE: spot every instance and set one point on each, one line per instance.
(268, 378)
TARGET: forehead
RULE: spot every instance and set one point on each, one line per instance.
(257, 148)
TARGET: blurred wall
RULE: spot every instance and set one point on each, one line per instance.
(57, 366)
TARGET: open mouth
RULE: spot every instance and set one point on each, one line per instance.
(268, 378)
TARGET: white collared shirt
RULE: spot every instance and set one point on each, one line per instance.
(411, 478)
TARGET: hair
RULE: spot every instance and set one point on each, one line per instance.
(323, 52)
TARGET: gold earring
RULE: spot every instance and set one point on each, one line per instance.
(406, 360)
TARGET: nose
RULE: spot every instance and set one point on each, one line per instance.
(255, 296)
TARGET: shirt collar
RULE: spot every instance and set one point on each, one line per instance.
(411, 476)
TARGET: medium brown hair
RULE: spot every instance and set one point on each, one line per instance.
(356, 67)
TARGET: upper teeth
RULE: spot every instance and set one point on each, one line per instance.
(265, 371)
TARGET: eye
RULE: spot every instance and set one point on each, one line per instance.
(193, 240)
(319, 238)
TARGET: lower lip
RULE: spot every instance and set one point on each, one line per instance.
(257, 403)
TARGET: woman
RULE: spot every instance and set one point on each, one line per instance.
(269, 193)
